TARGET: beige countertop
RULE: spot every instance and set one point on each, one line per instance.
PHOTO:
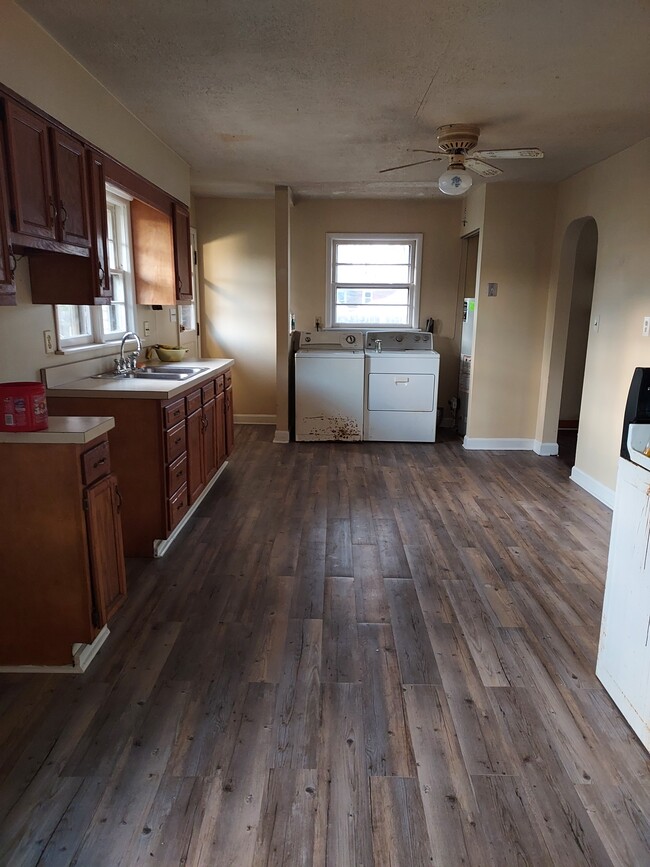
(140, 388)
(63, 429)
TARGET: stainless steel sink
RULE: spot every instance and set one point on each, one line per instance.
(155, 372)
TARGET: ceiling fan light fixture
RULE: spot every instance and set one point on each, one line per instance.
(455, 181)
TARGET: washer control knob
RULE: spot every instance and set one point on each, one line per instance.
(350, 338)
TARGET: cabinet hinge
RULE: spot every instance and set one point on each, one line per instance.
(85, 502)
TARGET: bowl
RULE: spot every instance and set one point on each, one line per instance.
(170, 353)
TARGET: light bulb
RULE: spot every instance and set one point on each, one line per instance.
(455, 181)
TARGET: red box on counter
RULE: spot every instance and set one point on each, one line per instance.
(22, 406)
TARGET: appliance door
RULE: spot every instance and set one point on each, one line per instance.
(329, 396)
(401, 392)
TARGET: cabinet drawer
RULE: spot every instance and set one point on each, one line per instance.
(221, 386)
(175, 441)
(228, 378)
(95, 463)
(177, 507)
(174, 412)
(177, 474)
(193, 401)
(207, 391)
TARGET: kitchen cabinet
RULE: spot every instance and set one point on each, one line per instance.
(166, 453)
(58, 278)
(7, 284)
(153, 255)
(182, 253)
(48, 183)
(229, 414)
(61, 543)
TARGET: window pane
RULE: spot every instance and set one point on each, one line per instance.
(112, 253)
(187, 317)
(373, 254)
(372, 274)
(73, 321)
(114, 318)
(117, 285)
(346, 295)
(372, 315)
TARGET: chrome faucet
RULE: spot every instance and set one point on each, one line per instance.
(124, 365)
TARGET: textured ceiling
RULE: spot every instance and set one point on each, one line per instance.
(322, 94)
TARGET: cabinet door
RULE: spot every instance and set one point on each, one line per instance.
(221, 427)
(7, 286)
(182, 254)
(230, 421)
(105, 547)
(71, 188)
(195, 477)
(98, 227)
(210, 459)
(153, 255)
(30, 173)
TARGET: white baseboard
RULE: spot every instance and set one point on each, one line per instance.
(500, 445)
(281, 436)
(82, 656)
(545, 449)
(596, 489)
(254, 419)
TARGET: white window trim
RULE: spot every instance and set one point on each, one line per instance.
(367, 238)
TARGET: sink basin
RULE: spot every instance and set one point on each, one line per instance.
(161, 371)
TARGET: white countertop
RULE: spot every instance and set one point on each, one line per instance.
(140, 388)
(63, 429)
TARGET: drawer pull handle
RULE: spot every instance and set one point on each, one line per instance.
(177, 440)
(99, 463)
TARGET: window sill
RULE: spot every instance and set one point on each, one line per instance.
(95, 350)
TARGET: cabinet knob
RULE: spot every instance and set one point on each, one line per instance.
(63, 212)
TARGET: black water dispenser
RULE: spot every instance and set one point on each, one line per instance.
(637, 408)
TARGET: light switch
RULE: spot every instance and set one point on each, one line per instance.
(646, 327)
(492, 289)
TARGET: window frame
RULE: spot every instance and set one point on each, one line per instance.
(412, 238)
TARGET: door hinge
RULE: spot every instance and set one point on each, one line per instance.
(198, 330)
(85, 503)
(195, 257)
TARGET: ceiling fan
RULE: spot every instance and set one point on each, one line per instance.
(457, 141)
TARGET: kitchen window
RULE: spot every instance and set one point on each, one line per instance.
(373, 280)
(82, 326)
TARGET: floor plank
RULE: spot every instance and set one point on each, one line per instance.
(386, 657)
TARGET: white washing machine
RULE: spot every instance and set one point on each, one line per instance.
(329, 371)
(402, 373)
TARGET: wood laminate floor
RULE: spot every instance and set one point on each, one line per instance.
(359, 654)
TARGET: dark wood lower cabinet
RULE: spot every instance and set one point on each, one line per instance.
(63, 571)
(164, 452)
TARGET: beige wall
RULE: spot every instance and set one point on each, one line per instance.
(615, 194)
(439, 295)
(516, 231)
(237, 267)
(36, 67)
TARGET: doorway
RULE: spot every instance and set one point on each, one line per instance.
(467, 286)
(578, 329)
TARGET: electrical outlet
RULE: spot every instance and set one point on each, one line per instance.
(172, 314)
(48, 340)
(146, 329)
(646, 326)
(492, 289)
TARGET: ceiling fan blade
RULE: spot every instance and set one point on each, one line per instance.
(485, 170)
(423, 151)
(406, 166)
(511, 154)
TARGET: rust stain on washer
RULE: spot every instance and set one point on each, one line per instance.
(335, 427)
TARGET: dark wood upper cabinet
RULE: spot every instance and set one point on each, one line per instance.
(49, 187)
(182, 263)
(71, 189)
(7, 285)
(30, 173)
(98, 226)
